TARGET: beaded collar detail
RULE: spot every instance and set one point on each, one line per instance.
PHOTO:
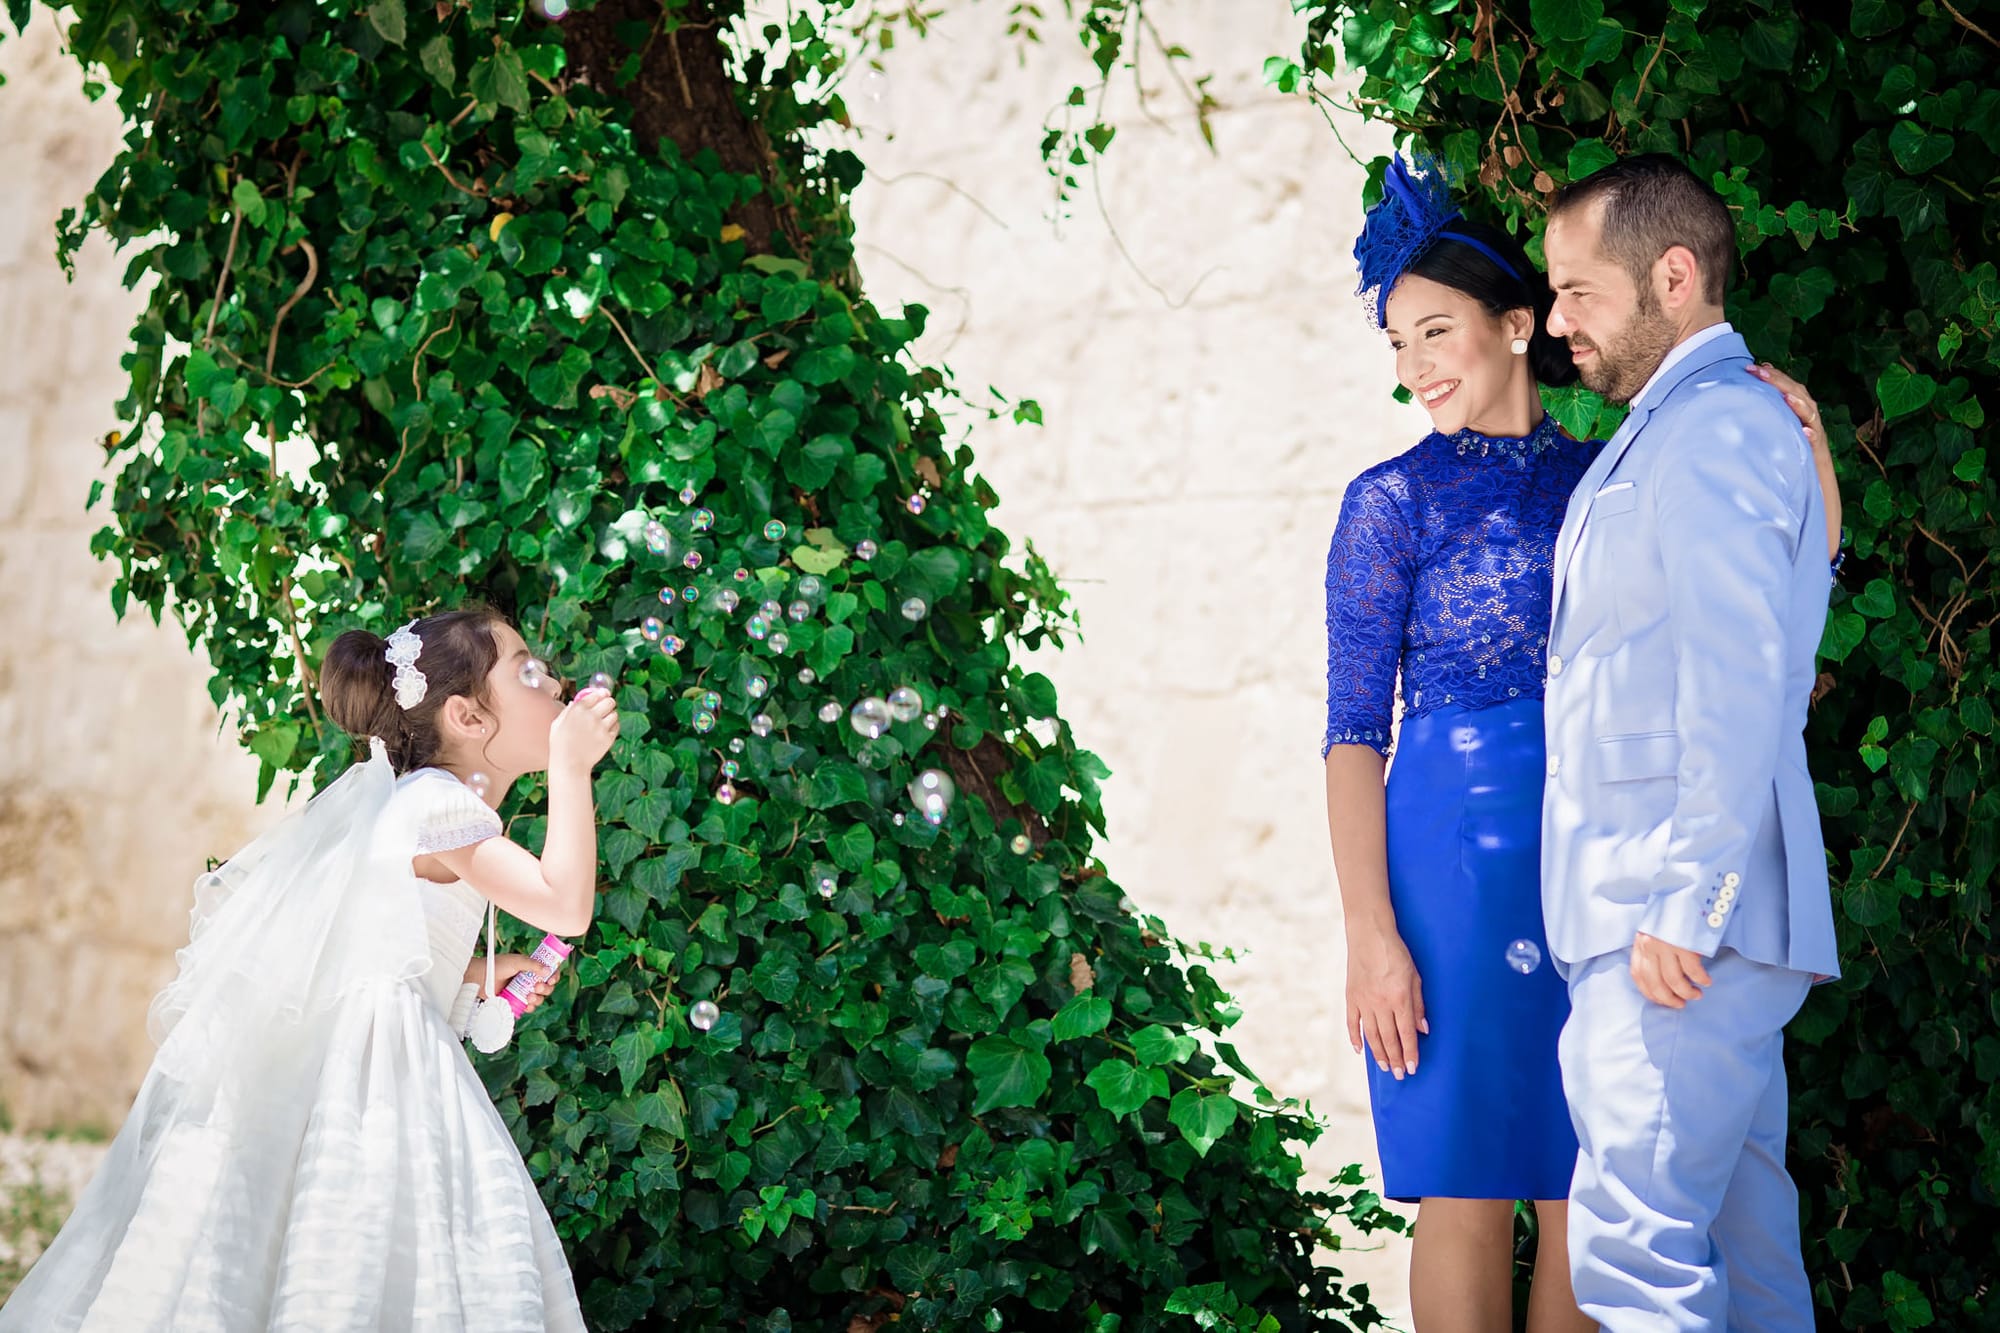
(1519, 450)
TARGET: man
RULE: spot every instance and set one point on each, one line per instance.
(1683, 875)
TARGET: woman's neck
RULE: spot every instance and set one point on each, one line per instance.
(1514, 414)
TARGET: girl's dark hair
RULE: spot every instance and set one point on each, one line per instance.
(357, 684)
(1464, 269)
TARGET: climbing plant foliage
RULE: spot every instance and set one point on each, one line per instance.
(1858, 144)
(449, 301)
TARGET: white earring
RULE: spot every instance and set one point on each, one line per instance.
(1520, 347)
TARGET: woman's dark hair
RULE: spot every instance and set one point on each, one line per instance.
(357, 683)
(1464, 268)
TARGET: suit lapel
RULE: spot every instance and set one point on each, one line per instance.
(1724, 347)
(1585, 495)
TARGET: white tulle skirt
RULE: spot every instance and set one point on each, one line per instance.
(357, 1177)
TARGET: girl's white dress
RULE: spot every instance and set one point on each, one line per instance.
(311, 1149)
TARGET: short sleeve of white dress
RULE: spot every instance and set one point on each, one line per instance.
(439, 813)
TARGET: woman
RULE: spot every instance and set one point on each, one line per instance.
(1440, 569)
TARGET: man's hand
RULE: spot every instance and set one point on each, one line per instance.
(1665, 974)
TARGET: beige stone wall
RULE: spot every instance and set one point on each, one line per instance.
(1207, 400)
(113, 786)
(1189, 474)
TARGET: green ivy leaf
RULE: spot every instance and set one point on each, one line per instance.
(1202, 1117)
(1157, 1045)
(1123, 1087)
(388, 18)
(1006, 1073)
(501, 80)
(1565, 20)
(1901, 391)
(1084, 1016)
(1918, 150)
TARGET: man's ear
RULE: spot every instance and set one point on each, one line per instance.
(1677, 278)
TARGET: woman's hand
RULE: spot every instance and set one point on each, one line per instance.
(583, 732)
(1385, 1002)
(506, 966)
(1802, 403)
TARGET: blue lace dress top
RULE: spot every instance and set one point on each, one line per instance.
(1441, 569)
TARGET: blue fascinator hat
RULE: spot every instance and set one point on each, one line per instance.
(1415, 212)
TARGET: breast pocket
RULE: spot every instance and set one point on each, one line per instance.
(1620, 497)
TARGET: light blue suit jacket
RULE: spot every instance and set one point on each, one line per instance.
(1690, 595)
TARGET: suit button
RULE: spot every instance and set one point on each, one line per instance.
(1555, 765)
(1726, 897)
(1555, 664)
(1715, 921)
(1731, 880)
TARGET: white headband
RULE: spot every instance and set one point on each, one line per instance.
(404, 649)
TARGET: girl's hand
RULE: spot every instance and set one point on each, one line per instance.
(1385, 1002)
(583, 732)
(505, 967)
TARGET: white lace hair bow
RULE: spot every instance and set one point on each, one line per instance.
(404, 649)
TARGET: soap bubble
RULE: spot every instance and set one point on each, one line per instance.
(727, 600)
(556, 10)
(741, 575)
(799, 610)
(730, 768)
(774, 531)
(916, 504)
(704, 1015)
(666, 597)
(657, 540)
(930, 721)
(771, 610)
(651, 628)
(1524, 956)
(692, 559)
(479, 783)
(671, 645)
(704, 722)
(736, 745)
(757, 686)
(829, 711)
(780, 641)
(897, 819)
(601, 680)
(827, 885)
(932, 791)
(534, 673)
(865, 549)
(1020, 845)
(916, 609)
(726, 794)
(690, 594)
(870, 717)
(905, 703)
(760, 725)
(711, 702)
(810, 587)
(758, 628)
(701, 520)
(807, 675)
(688, 494)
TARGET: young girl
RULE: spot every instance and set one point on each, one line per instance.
(311, 1149)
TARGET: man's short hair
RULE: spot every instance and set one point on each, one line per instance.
(1651, 204)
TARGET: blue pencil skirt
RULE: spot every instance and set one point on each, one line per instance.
(1483, 1117)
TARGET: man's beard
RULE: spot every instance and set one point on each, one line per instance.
(1620, 370)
